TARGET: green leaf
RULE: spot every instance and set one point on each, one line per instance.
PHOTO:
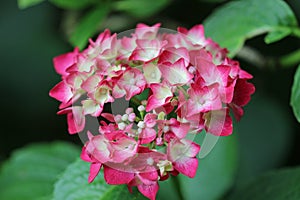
(276, 185)
(31, 171)
(237, 21)
(73, 185)
(72, 4)
(215, 174)
(167, 190)
(89, 25)
(212, 1)
(264, 132)
(295, 96)
(141, 8)
(277, 35)
(28, 3)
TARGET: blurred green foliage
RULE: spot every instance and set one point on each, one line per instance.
(268, 135)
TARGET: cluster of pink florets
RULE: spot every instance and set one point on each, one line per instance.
(190, 85)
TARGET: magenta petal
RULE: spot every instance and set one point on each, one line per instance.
(62, 62)
(116, 177)
(94, 170)
(62, 92)
(149, 191)
(187, 166)
(84, 155)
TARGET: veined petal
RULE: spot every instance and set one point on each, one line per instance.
(62, 62)
(218, 122)
(160, 94)
(152, 73)
(61, 92)
(175, 74)
(187, 166)
(94, 170)
(172, 55)
(75, 119)
(149, 191)
(116, 177)
(89, 106)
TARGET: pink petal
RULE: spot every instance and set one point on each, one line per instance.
(147, 50)
(147, 135)
(195, 34)
(160, 94)
(203, 99)
(94, 170)
(144, 31)
(75, 119)
(179, 149)
(61, 92)
(179, 129)
(172, 55)
(85, 156)
(187, 166)
(91, 83)
(218, 122)
(62, 62)
(175, 74)
(116, 177)
(149, 191)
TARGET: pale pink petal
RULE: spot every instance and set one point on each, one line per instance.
(152, 73)
(91, 83)
(147, 50)
(147, 135)
(160, 94)
(179, 129)
(172, 55)
(144, 31)
(89, 106)
(175, 74)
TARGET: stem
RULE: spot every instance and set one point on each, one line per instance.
(176, 184)
(290, 60)
(296, 32)
(135, 101)
(251, 55)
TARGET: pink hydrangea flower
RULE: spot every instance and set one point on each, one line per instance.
(187, 85)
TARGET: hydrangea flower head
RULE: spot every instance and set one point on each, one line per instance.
(178, 84)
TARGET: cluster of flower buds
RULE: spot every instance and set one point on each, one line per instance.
(189, 85)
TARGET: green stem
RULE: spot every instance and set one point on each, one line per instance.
(135, 101)
(251, 55)
(291, 59)
(177, 186)
(296, 32)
